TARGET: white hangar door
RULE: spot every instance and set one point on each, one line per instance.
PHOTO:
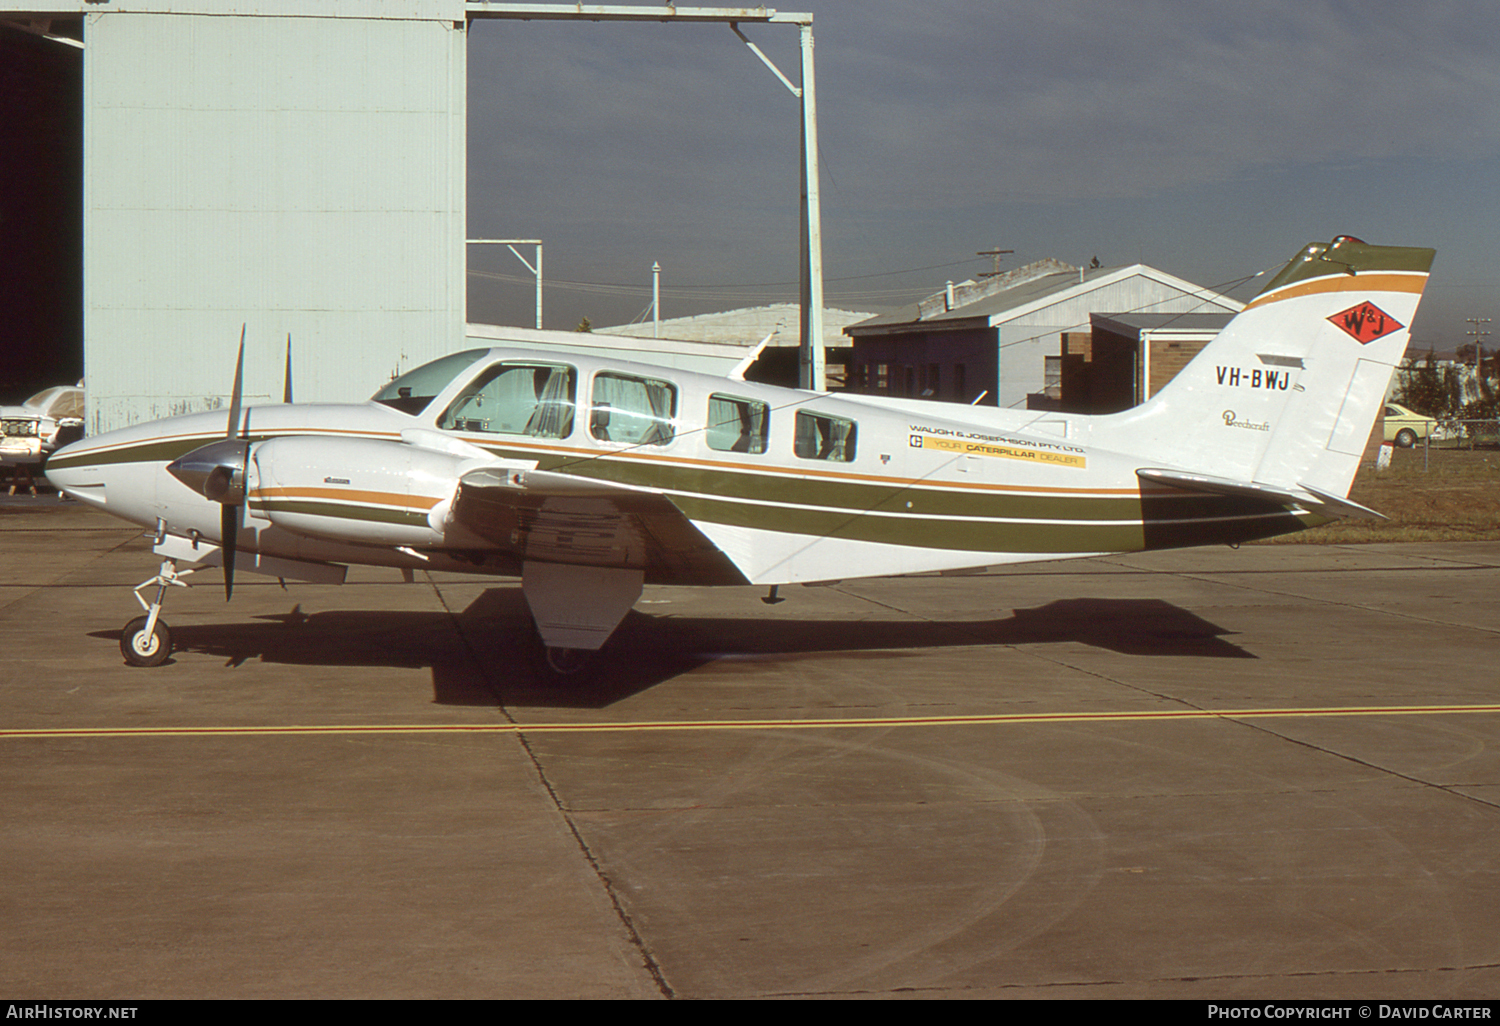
(299, 175)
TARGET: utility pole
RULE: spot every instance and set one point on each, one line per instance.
(812, 361)
(511, 244)
(1478, 333)
(656, 300)
(997, 254)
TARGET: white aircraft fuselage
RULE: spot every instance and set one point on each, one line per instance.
(932, 486)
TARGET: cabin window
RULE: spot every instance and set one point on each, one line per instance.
(637, 411)
(531, 399)
(737, 425)
(820, 437)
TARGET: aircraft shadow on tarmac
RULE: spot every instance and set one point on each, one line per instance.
(487, 653)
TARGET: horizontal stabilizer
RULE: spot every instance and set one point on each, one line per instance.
(1348, 507)
(1310, 499)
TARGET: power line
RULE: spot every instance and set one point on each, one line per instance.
(500, 276)
(703, 292)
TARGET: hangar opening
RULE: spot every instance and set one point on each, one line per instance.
(41, 205)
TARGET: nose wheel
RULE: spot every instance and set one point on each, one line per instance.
(147, 640)
(144, 643)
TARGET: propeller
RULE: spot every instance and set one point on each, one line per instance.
(228, 480)
(217, 472)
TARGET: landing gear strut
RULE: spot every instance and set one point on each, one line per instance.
(147, 640)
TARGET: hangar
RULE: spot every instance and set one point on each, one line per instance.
(295, 167)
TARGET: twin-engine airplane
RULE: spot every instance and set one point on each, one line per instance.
(590, 478)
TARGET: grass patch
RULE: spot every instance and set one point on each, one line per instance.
(1437, 495)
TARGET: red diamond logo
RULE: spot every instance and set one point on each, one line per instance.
(1366, 322)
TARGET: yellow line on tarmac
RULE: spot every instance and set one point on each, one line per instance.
(798, 724)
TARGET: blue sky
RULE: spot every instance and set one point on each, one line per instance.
(1211, 140)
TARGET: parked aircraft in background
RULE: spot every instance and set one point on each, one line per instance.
(589, 478)
(32, 430)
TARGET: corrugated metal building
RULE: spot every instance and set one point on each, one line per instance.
(749, 326)
(707, 357)
(993, 338)
(293, 166)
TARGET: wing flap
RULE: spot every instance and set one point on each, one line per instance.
(544, 516)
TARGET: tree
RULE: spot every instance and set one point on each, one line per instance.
(1486, 402)
(1430, 387)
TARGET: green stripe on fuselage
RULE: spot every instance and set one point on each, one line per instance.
(928, 498)
(787, 503)
(339, 511)
(911, 499)
(155, 451)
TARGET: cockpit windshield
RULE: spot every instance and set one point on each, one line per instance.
(412, 391)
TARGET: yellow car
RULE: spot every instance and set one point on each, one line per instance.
(1406, 428)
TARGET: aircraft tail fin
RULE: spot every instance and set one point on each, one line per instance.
(1286, 395)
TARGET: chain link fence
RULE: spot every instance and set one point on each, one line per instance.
(1436, 434)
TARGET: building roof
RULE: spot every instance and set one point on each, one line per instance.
(747, 326)
(709, 357)
(1010, 297)
(1187, 323)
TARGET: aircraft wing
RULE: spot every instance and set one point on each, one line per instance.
(546, 517)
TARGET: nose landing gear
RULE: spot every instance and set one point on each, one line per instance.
(147, 640)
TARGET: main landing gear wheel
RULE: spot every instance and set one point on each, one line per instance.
(567, 663)
(142, 649)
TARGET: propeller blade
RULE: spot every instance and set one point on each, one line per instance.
(286, 392)
(229, 530)
(229, 513)
(234, 399)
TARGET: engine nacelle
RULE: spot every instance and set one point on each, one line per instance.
(360, 490)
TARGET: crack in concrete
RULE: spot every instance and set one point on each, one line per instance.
(652, 967)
